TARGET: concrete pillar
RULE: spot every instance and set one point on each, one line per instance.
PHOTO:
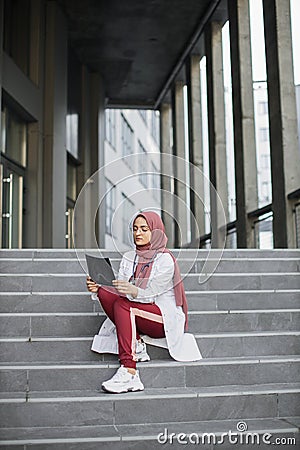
(89, 215)
(167, 177)
(55, 110)
(1, 64)
(216, 130)
(285, 158)
(33, 219)
(180, 207)
(97, 133)
(243, 119)
(195, 148)
(33, 226)
(83, 228)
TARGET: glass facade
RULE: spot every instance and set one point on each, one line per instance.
(110, 127)
(204, 116)
(110, 206)
(143, 169)
(72, 134)
(126, 137)
(229, 123)
(17, 32)
(128, 211)
(260, 96)
(14, 136)
(155, 177)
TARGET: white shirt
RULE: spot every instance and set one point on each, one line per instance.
(182, 346)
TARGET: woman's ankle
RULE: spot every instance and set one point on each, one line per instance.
(131, 370)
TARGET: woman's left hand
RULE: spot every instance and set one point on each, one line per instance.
(124, 287)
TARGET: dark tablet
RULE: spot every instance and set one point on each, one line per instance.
(100, 270)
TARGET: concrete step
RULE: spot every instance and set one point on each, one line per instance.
(178, 253)
(43, 302)
(153, 436)
(212, 345)
(80, 408)
(16, 377)
(225, 265)
(76, 283)
(245, 318)
(85, 324)
(227, 300)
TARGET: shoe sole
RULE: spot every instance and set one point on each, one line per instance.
(121, 392)
(143, 359)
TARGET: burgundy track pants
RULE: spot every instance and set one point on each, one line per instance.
(130, 319)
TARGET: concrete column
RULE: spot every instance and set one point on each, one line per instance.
(55, 110)
(89, 217)
(180, 207)
(285, 158)
(83, 228)
(1, 63)
(243, 119)
(33, 219)
(167, 177)
(33, 224)
(1, 66)
(97, 133)
(195, 148)
(216, 130)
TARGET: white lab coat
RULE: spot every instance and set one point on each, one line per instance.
(182, 346)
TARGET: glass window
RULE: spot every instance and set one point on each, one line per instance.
(110, 206)
(126, 137)
(71, 181)
(14, 137)
(260, 94)
(110, 126)
(295, 20)
(155, 126)
(143, 113)
(204, 117)
(229, 122)
(265, 191)
(264, 134)
(72, 134)
(262, 108)
(263, 231)
(17, 32)
(155, 182)
(265, 162)
(128, 211)
(143, 169)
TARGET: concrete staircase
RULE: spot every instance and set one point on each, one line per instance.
(246, 321)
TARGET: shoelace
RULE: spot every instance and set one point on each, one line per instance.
(140, 346)
(119, 374)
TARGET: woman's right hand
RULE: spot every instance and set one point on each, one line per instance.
(91, 285)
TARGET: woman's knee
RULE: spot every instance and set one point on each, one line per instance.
(120, 303)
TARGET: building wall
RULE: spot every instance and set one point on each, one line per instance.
(298, 109)
(63, 106)
(134, 179)
(37, 88)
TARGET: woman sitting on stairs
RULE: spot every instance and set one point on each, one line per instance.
(148, 298)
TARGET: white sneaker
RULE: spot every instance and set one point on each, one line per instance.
(141, 352)
(123, 381)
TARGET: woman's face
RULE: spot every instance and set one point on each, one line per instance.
(141, 231)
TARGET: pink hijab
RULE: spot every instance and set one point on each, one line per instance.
(147, 254)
